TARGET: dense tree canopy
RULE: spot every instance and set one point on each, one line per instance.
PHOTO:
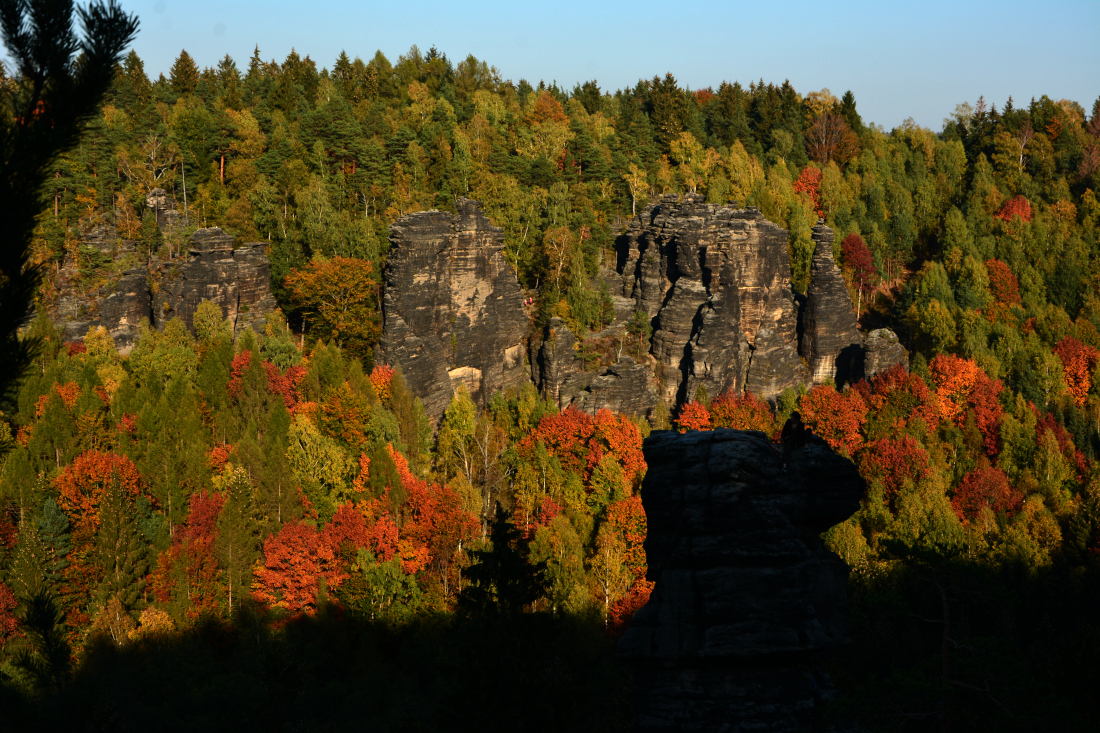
(282, 481)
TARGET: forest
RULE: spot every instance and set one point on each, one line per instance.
(268, 530)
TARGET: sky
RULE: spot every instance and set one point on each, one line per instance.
(901, 60)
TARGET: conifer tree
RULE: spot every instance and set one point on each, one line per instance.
(121, 553)
(238, 540)
(184, 76)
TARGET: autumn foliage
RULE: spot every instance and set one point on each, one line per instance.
(859, 261)
(743, 411)
(1015, 206)
(693, 416)
(985, 487)
(835, 416)
(86, 480)
(809, 184)
(1079, 362)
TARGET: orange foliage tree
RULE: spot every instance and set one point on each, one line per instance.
(85, 482)
(1079, 362)
(835, 416)
(809, 184)
(693, 416)
(743, 411)
(338, 299)
(961, 385)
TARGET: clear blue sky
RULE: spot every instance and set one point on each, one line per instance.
(900, 59)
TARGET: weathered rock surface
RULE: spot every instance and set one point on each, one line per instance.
(746, 595)
(882, 350)
(831, 341)
(238, 280)
(716, 281)
(453, 309)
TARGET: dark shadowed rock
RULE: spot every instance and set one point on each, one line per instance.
(828, 323)
(746, 595)
(237, 280)
(453, 309)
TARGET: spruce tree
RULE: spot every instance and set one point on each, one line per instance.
(238, 541)
(120, 550)
(184, 76)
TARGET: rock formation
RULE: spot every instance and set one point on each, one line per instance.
(453, 309)
(716, 282)
(238, 280)
(882, 350)
(830, 337)
(746, 595)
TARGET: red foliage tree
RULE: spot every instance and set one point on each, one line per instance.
(567, 436)
(1079, 362)
(693, 416)
(835, 416)
(743, 411)
(1015, 206)
(285, 384)
(9, 624)
(1002, 283)
(189, 569)
(809, 183)
(85, 481)
(240, 365)
(858, 260)
(985, 487)
(894, 463)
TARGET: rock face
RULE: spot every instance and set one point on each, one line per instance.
(882, 350)
(238, 280)
(453, 309)
(746, 596)
(716, 282)
(830, 338)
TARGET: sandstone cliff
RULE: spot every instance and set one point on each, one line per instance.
(830, 337)
(452, 310)
(158, 289)
(746, 596)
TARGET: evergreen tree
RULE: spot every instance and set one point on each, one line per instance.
(184, 76)
(501, 578)
(120, 551)
(238, 541)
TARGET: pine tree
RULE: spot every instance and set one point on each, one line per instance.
(501, 578)
(53, 528)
